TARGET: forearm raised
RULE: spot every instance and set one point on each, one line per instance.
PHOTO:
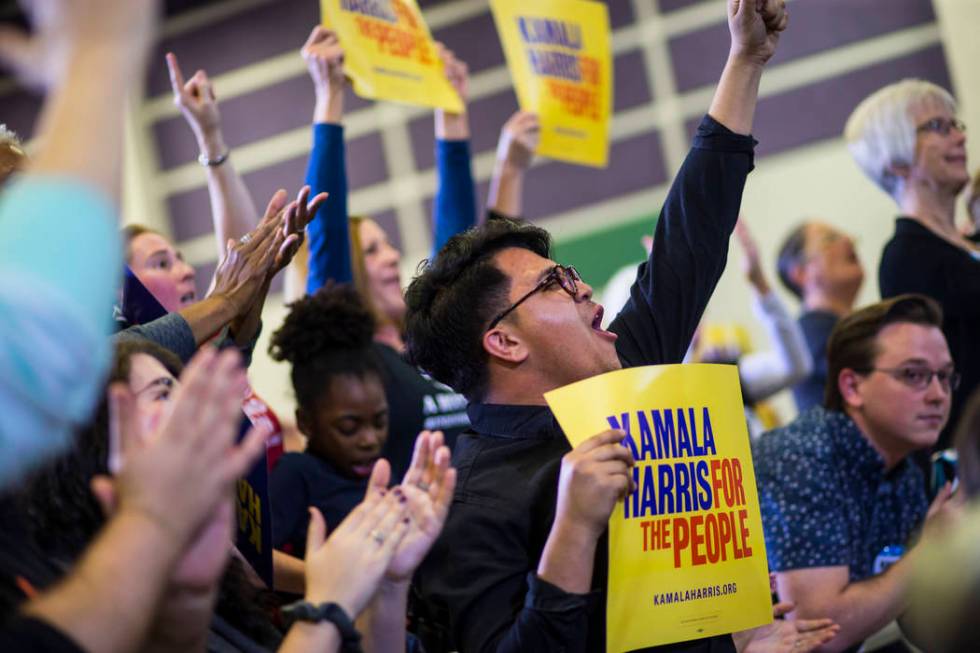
(736, 96)
(232, 209)
(208, 316)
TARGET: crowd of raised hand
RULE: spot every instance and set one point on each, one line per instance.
(425, 498)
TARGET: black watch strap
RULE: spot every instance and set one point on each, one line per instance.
(306, 611)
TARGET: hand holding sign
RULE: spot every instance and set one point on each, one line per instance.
(686, 552)
(594, 476)
(454, 125)
(324, 59)
(390, 52)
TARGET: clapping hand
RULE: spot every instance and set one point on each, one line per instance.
(428, 485)
(348, 567)
(181, 474)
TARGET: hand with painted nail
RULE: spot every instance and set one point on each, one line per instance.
(428, 485)
(348, 567)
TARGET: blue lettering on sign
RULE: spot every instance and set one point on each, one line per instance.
(546, 31)
(379, 9)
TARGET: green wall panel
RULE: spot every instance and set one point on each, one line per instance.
(598, 255)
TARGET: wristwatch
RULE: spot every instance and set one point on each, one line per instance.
(217, 161)
(306, 611)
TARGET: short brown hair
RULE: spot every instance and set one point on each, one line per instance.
(129, 233)
(853, 342)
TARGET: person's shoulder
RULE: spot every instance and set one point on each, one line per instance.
(297, 462)
(805, 438)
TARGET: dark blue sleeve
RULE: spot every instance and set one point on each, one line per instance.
(690, 248)
(455, 203)
(290, 500)
(328, 238)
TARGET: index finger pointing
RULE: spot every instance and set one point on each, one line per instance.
(176, 76)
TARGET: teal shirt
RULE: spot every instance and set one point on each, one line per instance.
(60, 257)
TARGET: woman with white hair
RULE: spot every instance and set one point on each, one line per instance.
(907, 139)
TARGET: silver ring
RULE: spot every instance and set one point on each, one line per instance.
(423, 486)
(377, 536)
(244, 239)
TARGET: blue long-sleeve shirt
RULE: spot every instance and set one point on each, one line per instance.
(415, 402)
(328, 236)
(58, 279)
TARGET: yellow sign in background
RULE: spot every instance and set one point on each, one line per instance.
(389, 53)
(687, 556)
(558, 53)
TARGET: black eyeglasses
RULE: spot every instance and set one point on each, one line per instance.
(919, 378)
(565, 276)
(941, 126)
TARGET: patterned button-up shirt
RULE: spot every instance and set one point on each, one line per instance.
(826, 498)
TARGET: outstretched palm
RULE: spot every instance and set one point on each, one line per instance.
(428, 487)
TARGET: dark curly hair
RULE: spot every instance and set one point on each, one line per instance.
(455, 296)
(326, 334)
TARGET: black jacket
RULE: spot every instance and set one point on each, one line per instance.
(917, 260)
(479, 579)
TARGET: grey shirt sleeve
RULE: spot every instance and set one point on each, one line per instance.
(170, 331)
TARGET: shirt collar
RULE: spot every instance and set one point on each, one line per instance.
(511, 421)
(855, 449)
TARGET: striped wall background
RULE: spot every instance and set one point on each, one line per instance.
(668, 55)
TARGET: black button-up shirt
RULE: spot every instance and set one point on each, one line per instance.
(480, 576)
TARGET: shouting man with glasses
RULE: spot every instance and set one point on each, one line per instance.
(907, 139)
(839, 492)
(521, 565)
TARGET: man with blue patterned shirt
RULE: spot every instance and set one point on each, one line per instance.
(839, 493)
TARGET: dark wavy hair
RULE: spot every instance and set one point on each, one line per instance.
(453, 298)
(326, 334)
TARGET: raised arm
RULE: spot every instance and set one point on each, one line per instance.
(60, 253)
(232, 208)
(455, 201)
(515, 151)
(788, 361)
(690, 246)
(328, 236)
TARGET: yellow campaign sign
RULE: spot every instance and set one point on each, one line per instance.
(389, 53)
(559, 56)
(687, 556)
